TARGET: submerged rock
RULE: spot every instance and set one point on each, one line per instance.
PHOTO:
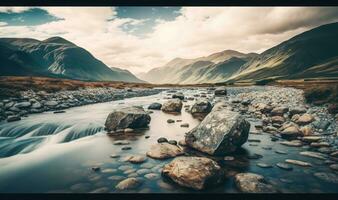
(174, 105)
(164, 151)
(194, 172)
(253, 183)
(155, 106)
(130, 117)
(137, 159)
(328, 177)
(13, 118)
(129, 183)
(298, 162)
(313, 154)
(222, 131)
(201, 106)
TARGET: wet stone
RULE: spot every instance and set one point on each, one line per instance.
(264, 165)
(281, 152)
(129, 171)
(169, 121)
(313, 155)
(114, 156)
(143, 171)
(162, 140)
(254, 140)
(284, 166)
(284, 180)
(254, 156)
(129, 183)
(108, 170)
(152, 176)
(121, 142)
(298, 162)
(96, 168)
(147, 165)
(253, 183)
(147, 136)
(126, 148)
(124, 167)
(228, 158)
(185, 125)
(328, 177)
(334, 167)
(137, 159)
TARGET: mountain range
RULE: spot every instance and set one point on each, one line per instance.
(312, 54)
(55, 57)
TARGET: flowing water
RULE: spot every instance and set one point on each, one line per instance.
(55, 153)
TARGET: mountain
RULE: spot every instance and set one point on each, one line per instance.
(213, 68)
(55, 57)
(311, 54)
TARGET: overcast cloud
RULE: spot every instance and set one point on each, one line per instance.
(197, 31)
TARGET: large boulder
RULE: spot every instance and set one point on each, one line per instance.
(194, 172)
(129, 117)
(220, 91)
(201, 106)
(174, 105)
(155, 106)
(222, 131)
(178, 95)
(164, 150)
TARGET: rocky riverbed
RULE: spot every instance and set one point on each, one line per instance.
(12, 109)
(175, 141)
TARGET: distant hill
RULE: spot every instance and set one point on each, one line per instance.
(312, 54)
(55, 57)
(209, 69)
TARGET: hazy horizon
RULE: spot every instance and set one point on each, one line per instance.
(142, 38)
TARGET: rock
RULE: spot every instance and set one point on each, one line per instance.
(178, 95)
(321, 124)
(13, 118)
(298, 162)
(264, 108)
(253, 183)
(23, 105)
(254, 156)
(221, 91)
(164, 151)
(128, 130)
(228, 158)
(305, 119)
(182, 143)
(264, 165)
(173, 142)
(334, 154)
(155, 106)
(162, 140)
(313, 154)
(59, 111)
(277, 119)
(96, 168)
(137, 159)
(147, 136)
(334, 167)
(319, 144)
(130, 117)
(186, 125)
(143, 171)
(222, 131)
(295, 117)
(311, 138)
(194, 172)
(174, 105)
(328, 177)
(297, 110)
(126, 148)
(290, 132)
(246, 102)
(51, 103)
(114, 156)
(169, 121)
(279, 111)
(293, 143)
(121, 142)
(280, 152)
(201, 106)
(152, 176)
(333, 108)
(306, 131)
(129, 183)
(284, 166)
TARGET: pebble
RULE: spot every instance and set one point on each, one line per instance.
(137, 159)
(169, 121)
(313, 154)
(334, 167)
(126, 148)
(281, 152)
(229, 158)
(162, 140)
(152, 176)
(185, 125)
(129, 183)
(114, 156)
(96, 168)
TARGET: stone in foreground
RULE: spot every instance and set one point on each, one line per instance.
(129, 117)
(164, 150)
(194, 172)
(222, 131)
(253, 183)
(174, 105)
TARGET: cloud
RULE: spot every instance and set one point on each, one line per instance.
(197, 31)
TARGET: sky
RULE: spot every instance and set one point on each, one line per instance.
(141, 38)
